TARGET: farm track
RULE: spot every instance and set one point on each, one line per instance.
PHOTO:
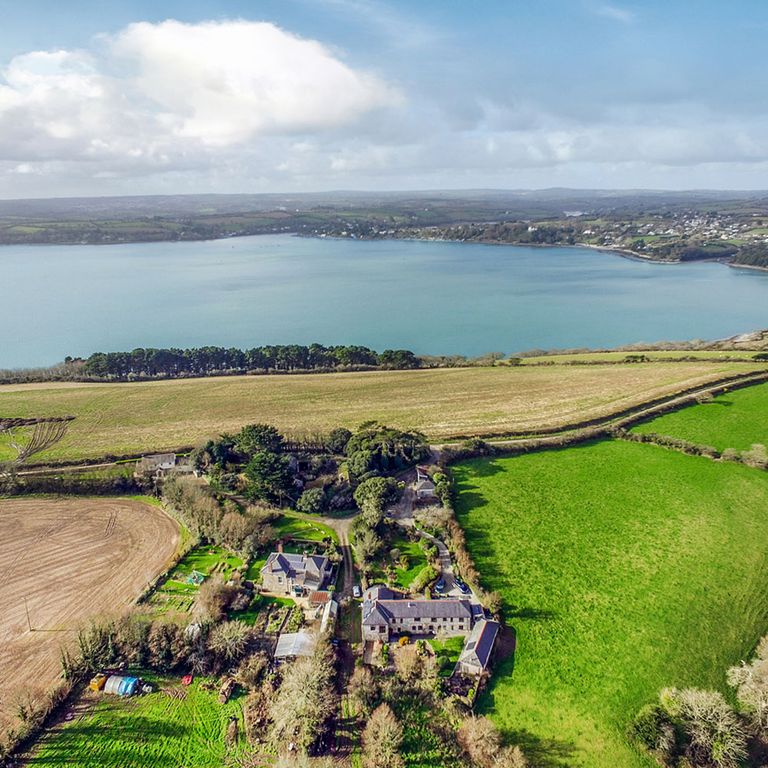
(70, 560)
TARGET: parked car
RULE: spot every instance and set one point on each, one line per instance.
(440, 586)
(463, 588)
(356, 591)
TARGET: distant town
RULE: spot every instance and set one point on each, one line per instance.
(660, 226)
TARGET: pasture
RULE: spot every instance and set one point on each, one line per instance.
(69, 560)
(734, 420)
(623, 568)
(174, 726)
(118, 419)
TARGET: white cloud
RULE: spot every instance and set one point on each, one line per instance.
(223, 83)
(154, 93)
(615, 12)
(246, 106)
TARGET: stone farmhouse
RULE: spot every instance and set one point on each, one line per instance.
(160, 465)
(295, 575)
(387, 613)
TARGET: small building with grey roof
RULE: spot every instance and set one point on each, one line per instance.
(291, 645)
(477, 650)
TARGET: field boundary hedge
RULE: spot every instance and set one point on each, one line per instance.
(629, 414)
(608, 428)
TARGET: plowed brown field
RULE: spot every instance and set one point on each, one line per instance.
(71, 560)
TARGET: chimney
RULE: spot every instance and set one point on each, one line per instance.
(279, 545)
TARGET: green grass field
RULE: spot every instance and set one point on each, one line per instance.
(122, 419)
(152, 730)
(624, 568)
(447, 652)
(733, 420)
(417, 560)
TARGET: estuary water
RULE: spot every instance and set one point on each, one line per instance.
(431, 297)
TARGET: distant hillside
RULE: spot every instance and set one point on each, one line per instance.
(198, 217)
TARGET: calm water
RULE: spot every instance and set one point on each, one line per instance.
(429, 297)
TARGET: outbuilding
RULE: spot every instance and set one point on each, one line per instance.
(477, 650)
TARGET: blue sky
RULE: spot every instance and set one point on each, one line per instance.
(297, 95)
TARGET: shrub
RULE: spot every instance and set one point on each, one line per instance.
(425, 576)
(337, 440)
(654, 730)
(312, 501)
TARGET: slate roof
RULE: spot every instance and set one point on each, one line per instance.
(380, 592)
(309, 570)
(477, 649)
(377, 612)
(157, 461)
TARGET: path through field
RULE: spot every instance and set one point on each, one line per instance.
(66, 561)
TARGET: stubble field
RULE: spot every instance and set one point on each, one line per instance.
(122, 419)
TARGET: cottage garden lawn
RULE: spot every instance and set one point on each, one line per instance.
(734, 420)
(624, 568)
(178, 592)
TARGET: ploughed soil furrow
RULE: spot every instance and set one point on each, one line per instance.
(63, 562)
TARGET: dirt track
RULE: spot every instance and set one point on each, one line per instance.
(72, 559)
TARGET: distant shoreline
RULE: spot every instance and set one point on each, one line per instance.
(747, 266)
(625, 253)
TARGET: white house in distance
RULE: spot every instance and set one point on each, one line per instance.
(424, 487)
(160, 465)
(387, 613)
(290, 574)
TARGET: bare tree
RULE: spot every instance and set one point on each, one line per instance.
(229, 640)
(382, 739)
(716, 735)
(751, 684)
(480, 740)
(511, 757)
(215, 597)
(363, 689)
(305, 701)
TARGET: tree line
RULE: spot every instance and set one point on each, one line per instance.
(207, 361)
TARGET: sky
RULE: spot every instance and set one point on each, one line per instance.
(170, 97)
